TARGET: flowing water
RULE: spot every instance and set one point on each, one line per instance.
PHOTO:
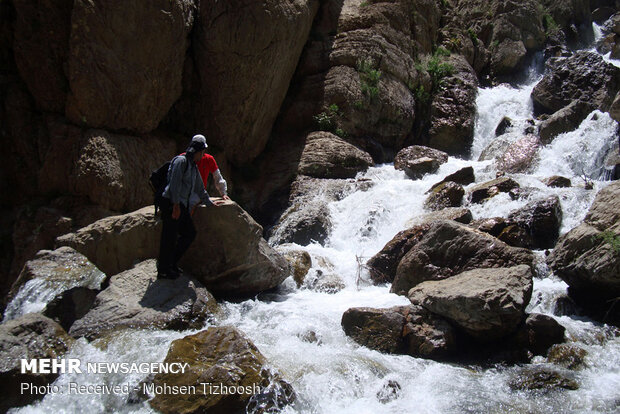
(299, 331)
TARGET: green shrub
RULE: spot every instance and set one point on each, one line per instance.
(612, 239)
(326, 120)
(369, 77)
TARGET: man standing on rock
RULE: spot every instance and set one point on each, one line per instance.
(185, 190)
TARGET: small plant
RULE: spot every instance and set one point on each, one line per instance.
(422, 95)
(472, 35)
(612, 239)
(369, 77)
(551, 27)
(326, 120)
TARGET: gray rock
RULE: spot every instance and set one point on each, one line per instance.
(541, 220)
(300, 261)
(484, 191)
(487, 303)
(417, 160)
(327, 156)
(137, 299)
(449, 248)
(47, 276)
(71, 305)
(519, 155)
(542, 378)
(558, 181)
(564, 120)
(464, 176)
(446, 195)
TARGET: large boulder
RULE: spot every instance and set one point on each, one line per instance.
(327, 156)
(248, 52)
(520, 155)
(119, 80)
(382, 266)
(417, 160)
(41, 48)
(223, 357)
(453, 110)
(587, 257)
(137, 299)
(487, 303)
(112, 170)
(47, 276)
(409, 330)
(32, 336)
(583, 76)
(449, 248)
(116, 243)
(230, 256)
(564, 120)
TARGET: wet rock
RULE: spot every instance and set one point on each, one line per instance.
(311, 337)
(503, 125)
(487, 303)
(325, 282)
(71, 305)
(446, 195)
(300, 261)
(543, 332)
(379, 329)
(464, 176)
(564, 120)
(541, 220)
(570, 356)
(587, 257)
(116, 79)
(102, 166)
(220, 356)
(409, 330)
(389, 392)
(304, 222)
(41, 49)
(542, 378)
(453, 110)
(520, 155)
(382, 266)
(601, 14)
(448, 248)
(558, 181)
(496, 148)
(585, 75)
(32, 336)
(115, 243)
(48, 275)
(515, 235)
(484, 191)
(137, 299)
(416, 161)
(327, 156)
(612, 165)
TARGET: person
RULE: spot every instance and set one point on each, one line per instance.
(185, 190)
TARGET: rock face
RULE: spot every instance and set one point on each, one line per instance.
(583, 76)
(111, 170)
(417, 160)
(409, 330)
(239, 261)
(219, 355)
(327, 156)
(48, 275)
(248, 52)
(486, 303)
(41, 47)
(119, 80)
(449, 248)
(115, 243)
(587, 257)
(453, 110)
(31, 336)
(137, 299)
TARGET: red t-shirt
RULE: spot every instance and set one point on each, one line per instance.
(206, 166)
